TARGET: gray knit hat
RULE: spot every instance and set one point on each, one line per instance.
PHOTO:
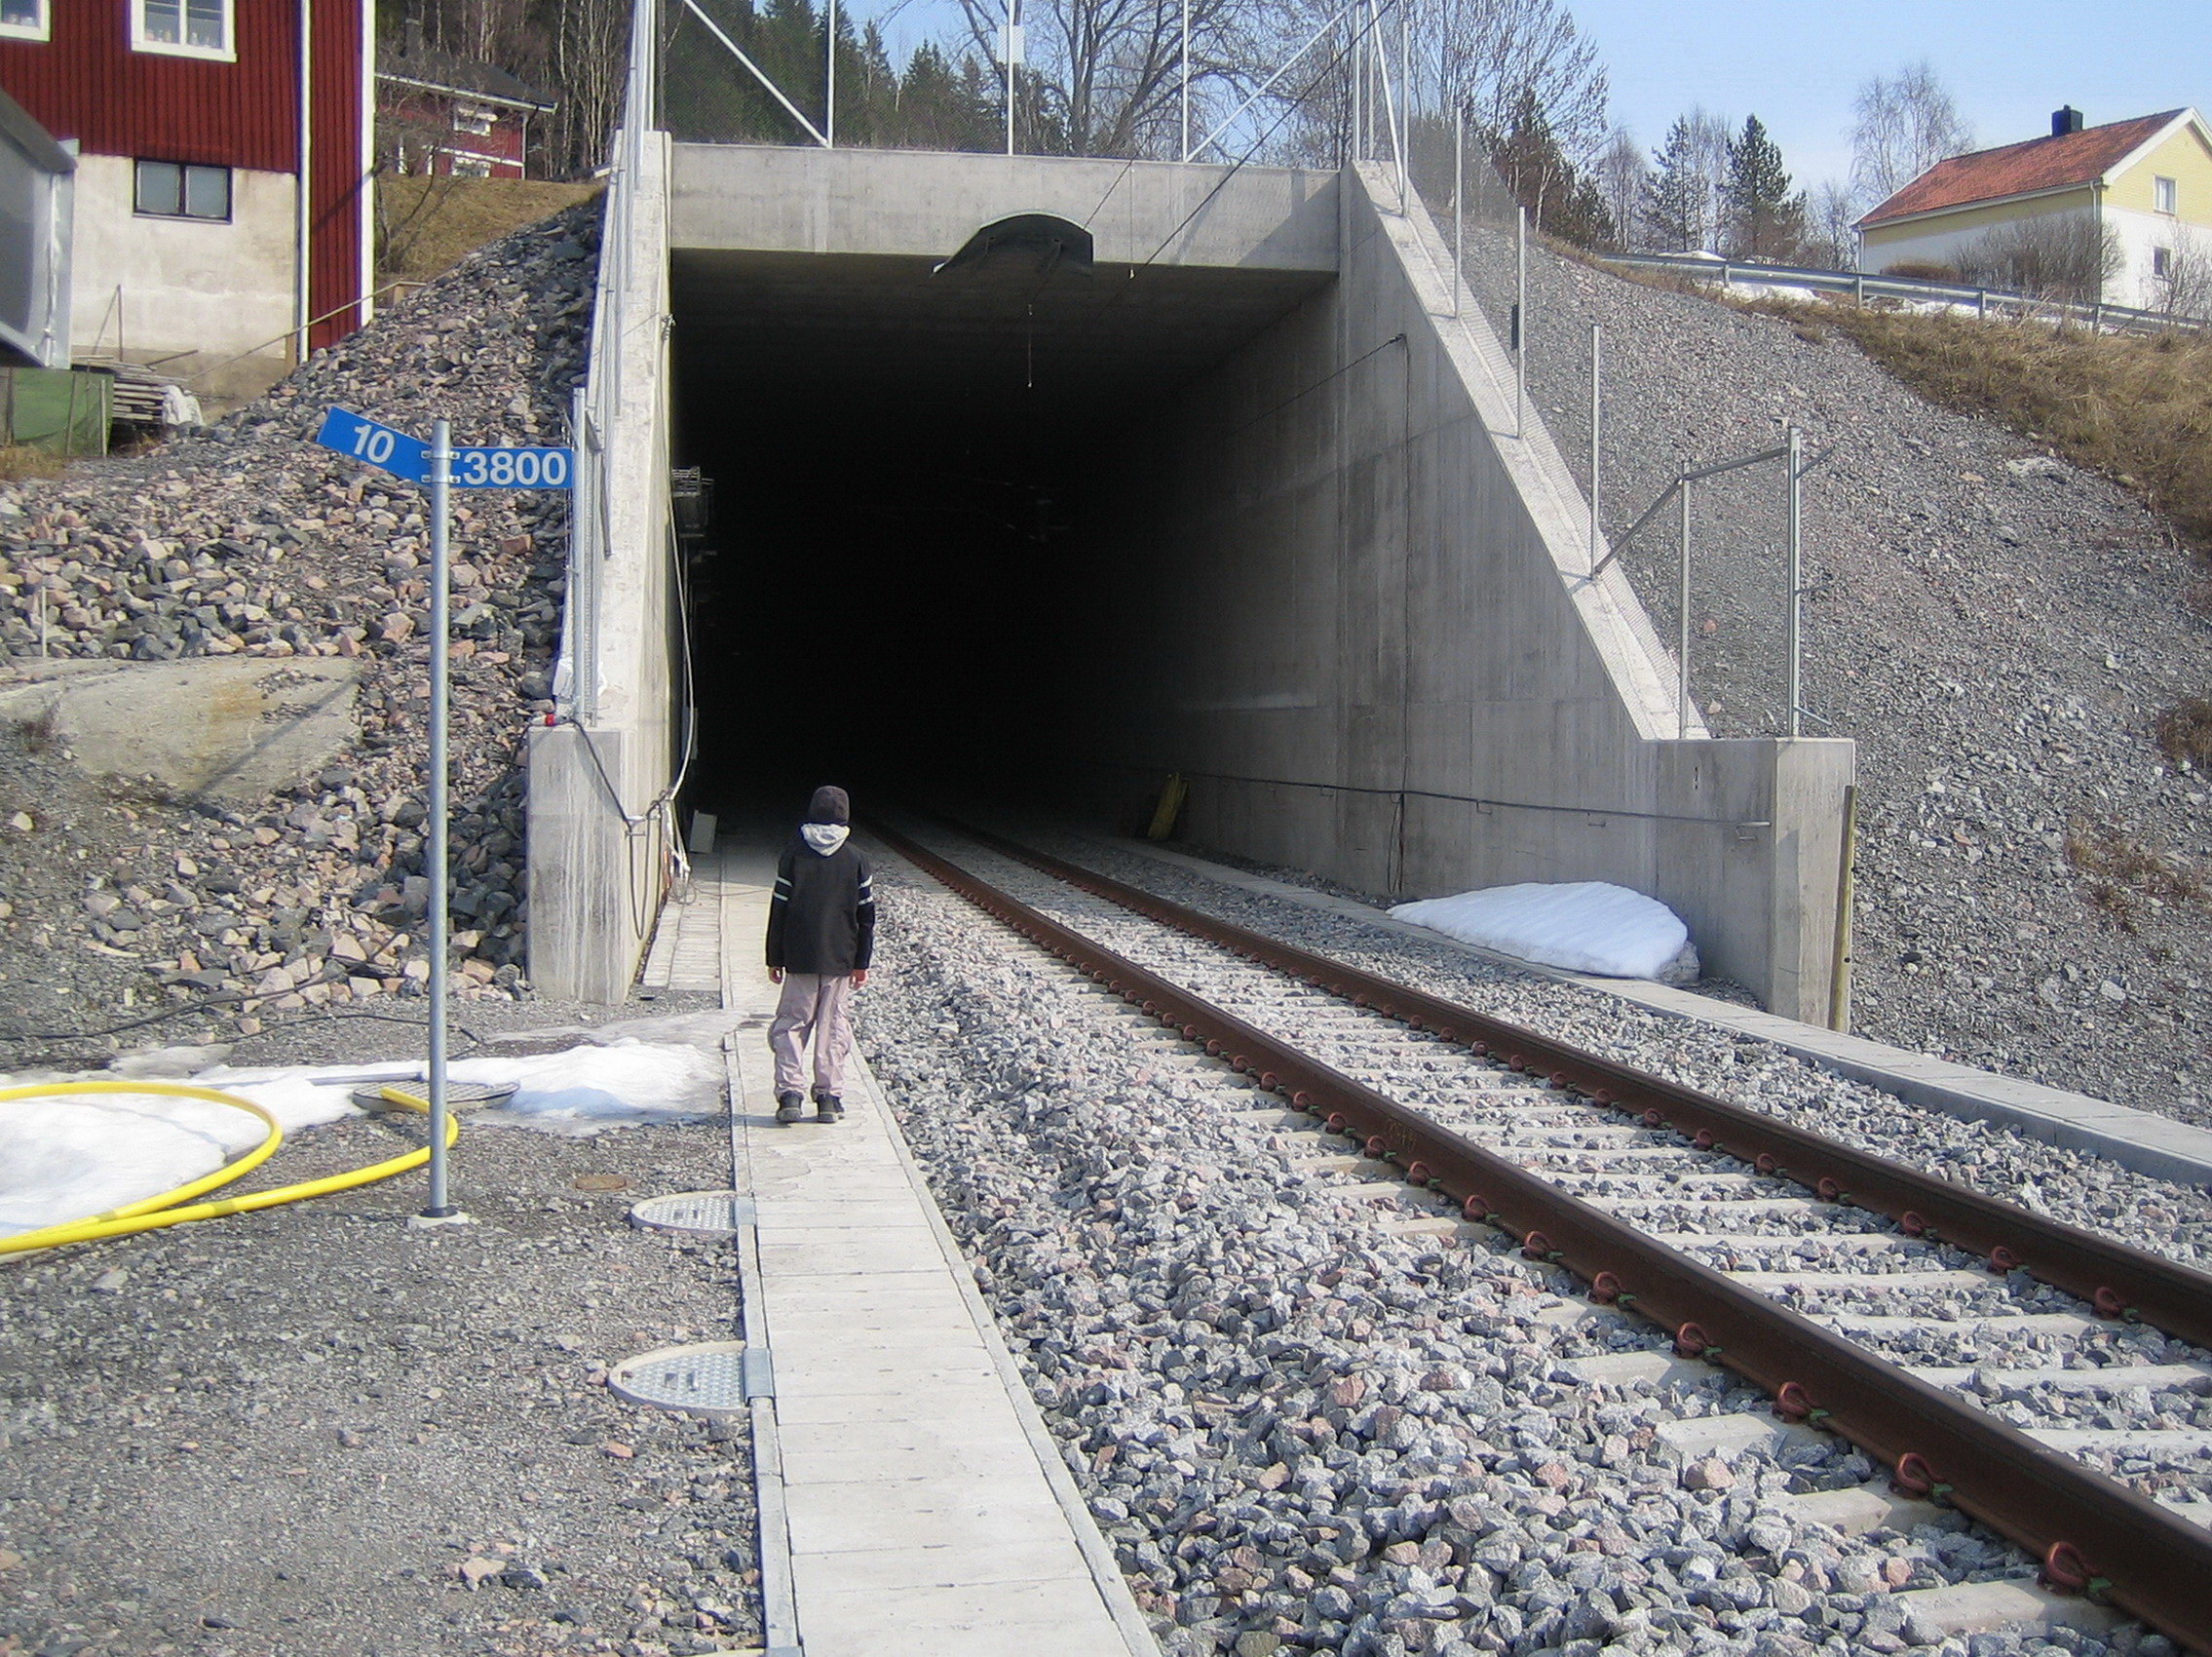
(831, 805)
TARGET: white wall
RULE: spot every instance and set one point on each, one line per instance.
(205, 290)
(2140, 233)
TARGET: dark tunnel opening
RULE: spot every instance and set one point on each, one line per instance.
(901, 586)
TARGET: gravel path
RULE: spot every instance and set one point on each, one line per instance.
(1996, 627)
(1299, 1429)
(313, 1431)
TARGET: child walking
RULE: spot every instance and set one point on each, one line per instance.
(821, 933)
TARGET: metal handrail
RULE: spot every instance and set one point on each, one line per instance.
(1865, 283)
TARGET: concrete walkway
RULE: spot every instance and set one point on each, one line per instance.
(922, 1498)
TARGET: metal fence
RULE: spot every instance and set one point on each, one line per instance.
(1373, 81)
(1864, 285)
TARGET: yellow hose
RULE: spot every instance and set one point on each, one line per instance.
(153, 1212)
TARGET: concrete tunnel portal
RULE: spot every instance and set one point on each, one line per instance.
(1244, 501)
(910, 466)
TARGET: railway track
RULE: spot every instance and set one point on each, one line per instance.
(1974, 1347)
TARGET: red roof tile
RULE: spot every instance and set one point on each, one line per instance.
(2057, 163)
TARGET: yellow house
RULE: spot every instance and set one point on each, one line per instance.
(2143, 186)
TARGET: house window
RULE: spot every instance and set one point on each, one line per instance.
(473, 119)
(183, 29)
(24, 19)
(2162, 262)
(471, 165)
(172, 189)
(2168, 194)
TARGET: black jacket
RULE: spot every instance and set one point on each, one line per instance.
(822, 915)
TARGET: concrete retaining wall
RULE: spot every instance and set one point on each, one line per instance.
(598, 816)
(1359, 593)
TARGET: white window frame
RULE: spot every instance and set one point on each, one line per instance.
(229, 215)
(141, 41)
(40, 28)
(2163, 263)
(2165, 195)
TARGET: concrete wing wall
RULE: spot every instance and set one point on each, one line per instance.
(599, 782)
(1374, 648)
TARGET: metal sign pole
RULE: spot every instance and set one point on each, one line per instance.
(1459, 204)
(1520, 321)
(830, 83)
(1682, 645)
(434, 854)
(1796, 463)
(1597, 418)
(1186, 149)
(1013, 59)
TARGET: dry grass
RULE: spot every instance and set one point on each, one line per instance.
(2185, 732)
(2135, 408)
(428, 225)
(17, 464)
(2120, 869)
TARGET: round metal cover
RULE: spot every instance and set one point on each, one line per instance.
(707, 1376)
(717, 1214)
(459, 1096)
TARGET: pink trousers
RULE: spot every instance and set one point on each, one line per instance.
(818, 1008)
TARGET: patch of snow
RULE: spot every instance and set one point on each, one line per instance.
(1584, 926)
(71, 1156)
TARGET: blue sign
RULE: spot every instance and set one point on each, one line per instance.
(363, 438)
(514, 468)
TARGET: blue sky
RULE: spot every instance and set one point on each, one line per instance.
(1797, 64)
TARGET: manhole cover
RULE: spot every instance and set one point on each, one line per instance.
(459, 1096)
(717, 1213)
(707, 1376)
(600, 1182)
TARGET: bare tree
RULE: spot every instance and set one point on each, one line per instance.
(1906, 123)
(2184, 288)
(1109, 72)
(1497, 54)
(587, 57)
(1832, 227)
(2061, 256)
(1622, 174)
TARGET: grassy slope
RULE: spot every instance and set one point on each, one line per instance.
(2135, 408)
(428, 225)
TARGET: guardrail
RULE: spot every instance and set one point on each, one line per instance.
(1863, 285)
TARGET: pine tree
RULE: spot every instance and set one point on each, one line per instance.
(1562, 200)
(1765, 219)
(1675, 196)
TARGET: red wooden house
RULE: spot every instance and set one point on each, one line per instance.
(441, 113)
(221, 224)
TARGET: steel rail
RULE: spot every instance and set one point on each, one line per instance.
(2117, 1278)
(2091, 1533)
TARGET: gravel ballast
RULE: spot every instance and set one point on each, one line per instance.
(250, 542)
(316, 1432)
(1301, 1431)
(2167, 1219)
(1996, 628)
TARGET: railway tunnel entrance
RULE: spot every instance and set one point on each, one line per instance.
(907, 579)
(1247, 502)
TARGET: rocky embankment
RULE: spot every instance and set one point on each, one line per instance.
(123, 893)
(1998, 629)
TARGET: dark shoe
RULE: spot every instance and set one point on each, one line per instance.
(788, 1106)
(828, 1107)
